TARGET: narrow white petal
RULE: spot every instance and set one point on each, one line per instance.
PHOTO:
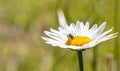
(101, 28)
(54, 31)
(103, 34)
(87, 26)
(57, 44)
(82, 28)
(86, 30)
(62, 30)
(92, 31)
(75, 47)
(53, 42)
(62, 36)
(50, 34)
(105, 38)
(72, 25)
(108, 37)
(94, 27)
(57, 38)
(78, 28)
(79, 47)
(61, 18)
(91, 44)
(73, 29)
(78, 25)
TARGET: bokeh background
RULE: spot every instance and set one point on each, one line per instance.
(22, 23)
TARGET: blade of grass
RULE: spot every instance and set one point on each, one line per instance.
(116, 42)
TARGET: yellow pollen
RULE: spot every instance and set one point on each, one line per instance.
(78, 40)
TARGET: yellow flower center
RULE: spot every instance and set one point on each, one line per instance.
(78, 40)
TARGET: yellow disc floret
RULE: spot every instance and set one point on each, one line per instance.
(78, 40)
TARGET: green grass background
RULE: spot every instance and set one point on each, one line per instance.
(22, 23)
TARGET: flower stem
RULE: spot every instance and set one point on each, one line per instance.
(80, 58)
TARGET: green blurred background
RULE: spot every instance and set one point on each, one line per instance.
(22, 23)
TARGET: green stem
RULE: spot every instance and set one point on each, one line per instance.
(80, 58)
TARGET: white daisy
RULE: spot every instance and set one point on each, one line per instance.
(77, 37)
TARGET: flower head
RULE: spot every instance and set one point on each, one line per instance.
(77, 36)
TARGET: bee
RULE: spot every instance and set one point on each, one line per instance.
(70, 36)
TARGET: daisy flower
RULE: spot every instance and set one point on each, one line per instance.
(77, 36)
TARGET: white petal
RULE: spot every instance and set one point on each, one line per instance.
(78, 25)
(62, 30)
(87, 26)
(86, 30)
(53, 42)
(78, 28)
(92, 30)
(75, 47)
(82, 26)
(61, 18)
(94, 27)
(55, 36)
(73, 29)
(103, 34)
(59, 34)
(82, 29)
(108, 37)
(99, 30)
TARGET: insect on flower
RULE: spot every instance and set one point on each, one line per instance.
(77, 36)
